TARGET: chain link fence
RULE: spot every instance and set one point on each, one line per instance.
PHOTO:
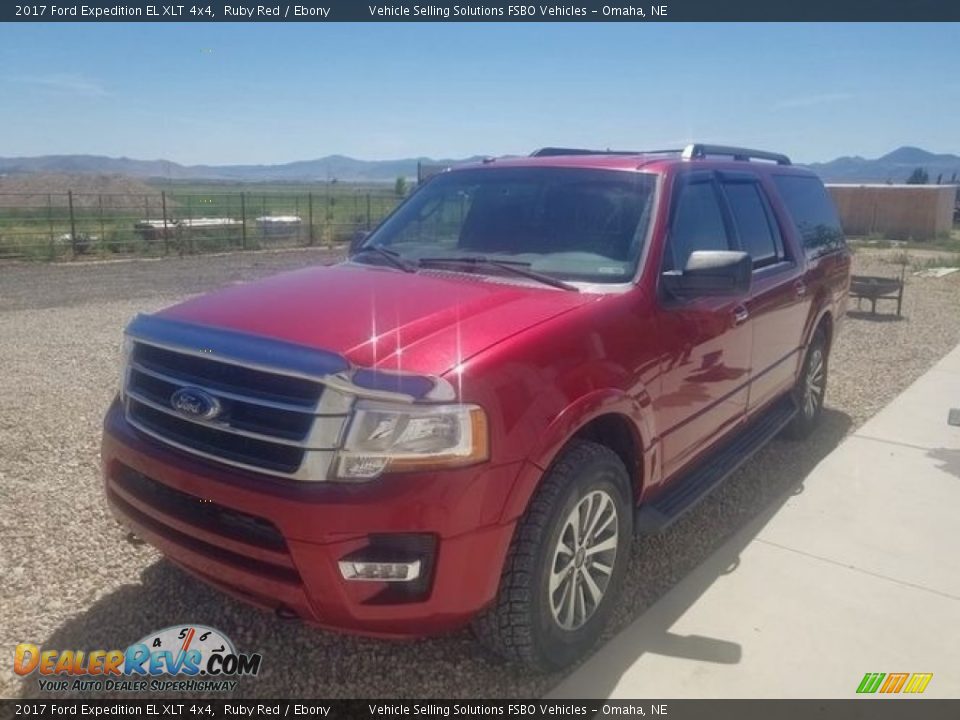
(70, 225)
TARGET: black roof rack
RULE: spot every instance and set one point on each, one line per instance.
(695, 151)
(555, 151)
(698, 151)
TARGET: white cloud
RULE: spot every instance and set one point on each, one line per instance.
(63, 83)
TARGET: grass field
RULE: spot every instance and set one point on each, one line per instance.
(39, 225)
(947, 243)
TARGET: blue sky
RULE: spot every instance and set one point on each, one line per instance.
(269, 93)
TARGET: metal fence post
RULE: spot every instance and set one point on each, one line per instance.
(53, 247)
(368, 211)
(146, 235)
(190, 223)
(296, 213)
(73, 224)
(243, 218)
(310, 214)
(166, 236)
(330, 224)
(103, 233)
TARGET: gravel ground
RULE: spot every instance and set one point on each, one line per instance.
(71, 581)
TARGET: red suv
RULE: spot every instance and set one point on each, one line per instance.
(465, 422)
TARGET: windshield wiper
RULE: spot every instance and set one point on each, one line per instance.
(514, 267)
(391, 256)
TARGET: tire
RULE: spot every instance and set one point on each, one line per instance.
(810, 388)
(529, 624)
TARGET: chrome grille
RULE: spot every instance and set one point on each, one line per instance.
(216, 440)
(276, 407)
(288, 421)
(249, 383)
(270, 420)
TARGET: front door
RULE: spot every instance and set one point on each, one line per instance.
(705, 367)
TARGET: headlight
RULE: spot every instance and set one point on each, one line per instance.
(394, 438)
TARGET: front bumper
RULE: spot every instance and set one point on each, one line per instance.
(276, 543)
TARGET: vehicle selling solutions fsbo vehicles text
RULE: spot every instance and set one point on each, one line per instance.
(437, 11)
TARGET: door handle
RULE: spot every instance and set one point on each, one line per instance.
(800, 288)
(740, 314)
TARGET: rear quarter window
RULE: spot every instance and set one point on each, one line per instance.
(812, 212)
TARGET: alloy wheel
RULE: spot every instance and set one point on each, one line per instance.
(583, 560)
(814, 382)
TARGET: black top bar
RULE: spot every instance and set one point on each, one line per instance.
(485, 11)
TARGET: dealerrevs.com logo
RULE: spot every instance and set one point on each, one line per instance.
(180, 658)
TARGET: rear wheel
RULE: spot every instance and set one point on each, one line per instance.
(565, 564)
(811, 388)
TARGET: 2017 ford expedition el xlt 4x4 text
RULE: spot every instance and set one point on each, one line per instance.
(527, 362)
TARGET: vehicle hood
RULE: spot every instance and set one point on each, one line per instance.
(424, 322)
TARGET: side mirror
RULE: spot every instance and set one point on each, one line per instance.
(357, 240)
(711, 273)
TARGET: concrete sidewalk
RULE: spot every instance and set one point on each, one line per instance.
(858, 572)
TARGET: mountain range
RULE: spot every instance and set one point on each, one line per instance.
(894, 167)
(331, 167)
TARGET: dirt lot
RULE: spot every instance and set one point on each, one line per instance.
(71, 581)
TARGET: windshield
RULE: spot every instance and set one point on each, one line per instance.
(569, 223)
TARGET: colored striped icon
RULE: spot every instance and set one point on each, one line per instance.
(894, 683)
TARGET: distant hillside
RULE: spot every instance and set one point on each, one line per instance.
(89, 190)
(894, 167)
(337, 167)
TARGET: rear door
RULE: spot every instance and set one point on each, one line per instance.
(777, 303)
(705, 365)
(810, 211)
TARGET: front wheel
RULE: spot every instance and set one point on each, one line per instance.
(566, 562)
(810, 388)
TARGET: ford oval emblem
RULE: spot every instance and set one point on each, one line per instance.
(195, 403)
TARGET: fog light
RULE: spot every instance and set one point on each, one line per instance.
(380, 571)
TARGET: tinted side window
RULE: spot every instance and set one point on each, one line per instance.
(753, 219)
(697, 224)
(812, 211)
